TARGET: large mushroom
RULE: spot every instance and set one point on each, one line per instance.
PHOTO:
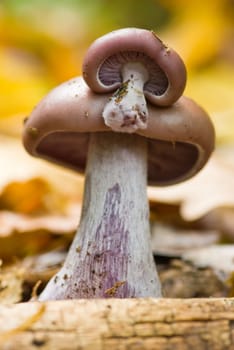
(111, 253)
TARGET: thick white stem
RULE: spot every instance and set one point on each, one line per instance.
(111, 252)
(126, 110)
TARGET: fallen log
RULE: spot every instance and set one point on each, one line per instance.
(119, 324)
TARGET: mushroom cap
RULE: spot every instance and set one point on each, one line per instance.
(180, 138)
(105, 57)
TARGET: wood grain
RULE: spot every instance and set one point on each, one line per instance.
(119, 324)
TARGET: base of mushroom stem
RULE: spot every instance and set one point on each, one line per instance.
(111, 253)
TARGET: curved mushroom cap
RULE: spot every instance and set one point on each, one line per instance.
(180, 138)
(106, 56)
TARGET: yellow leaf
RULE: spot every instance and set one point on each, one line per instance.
(213, 89)
(197, 29)
(26, 197)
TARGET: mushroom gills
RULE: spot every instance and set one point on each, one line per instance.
(168, 163)
(109, 73)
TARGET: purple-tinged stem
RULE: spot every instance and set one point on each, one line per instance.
(111, 253)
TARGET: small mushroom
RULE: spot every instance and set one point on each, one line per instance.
(111, 252)
(137, 64)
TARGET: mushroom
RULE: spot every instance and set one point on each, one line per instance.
(136, 63)
(111, 252)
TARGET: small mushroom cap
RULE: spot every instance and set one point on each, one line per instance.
(180, 138)
(105, 57)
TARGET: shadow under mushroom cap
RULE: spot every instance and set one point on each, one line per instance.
(180, 138)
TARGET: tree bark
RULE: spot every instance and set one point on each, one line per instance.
(119, 324)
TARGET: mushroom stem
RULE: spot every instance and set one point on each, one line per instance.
(111, 253)
(126, 110)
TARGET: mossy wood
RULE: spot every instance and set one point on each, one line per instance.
(119, 324)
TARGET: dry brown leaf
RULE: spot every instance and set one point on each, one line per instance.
(212, 188)
(220, 219)
(17, 165)
(219, 257)
(22, 235)
(43, 266)
(57, 224)
(173, 242)
(11, 284)
(181, 279)
(39, 202)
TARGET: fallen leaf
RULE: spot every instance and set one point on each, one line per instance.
(219, 257)
(11, 284)
(58, 224)
(197, 29)
(212, 88)
(171, 241)
(26, 197)
(220, 219)
(39, 269)
(19, 166)
(180, 279)
(40, 203)
(211, 188)
(22, 235)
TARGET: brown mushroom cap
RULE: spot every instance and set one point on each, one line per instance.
(106, 56)
(180, 137)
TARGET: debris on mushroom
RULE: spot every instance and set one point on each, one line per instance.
(138, 64)
(126, 110)
(111, 253)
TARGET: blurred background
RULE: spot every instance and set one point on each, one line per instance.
(42, 43)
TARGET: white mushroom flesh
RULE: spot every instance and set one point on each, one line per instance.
(126, 110)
